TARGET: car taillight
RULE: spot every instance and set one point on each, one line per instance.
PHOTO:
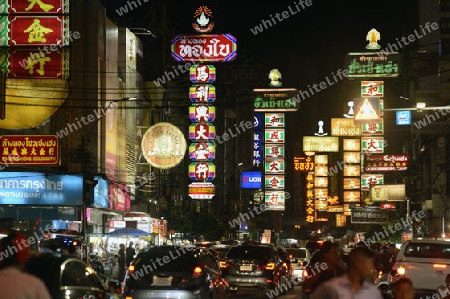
(284, 265)
(401, 270)
(270, 266)
(198, 271)
(131, 268)
(440, 266)
(300, 264)
(305, 273)
(224, 264)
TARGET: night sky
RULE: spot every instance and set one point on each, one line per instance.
(306, 46)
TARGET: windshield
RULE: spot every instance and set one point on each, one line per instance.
(250, 252)
(428, 250)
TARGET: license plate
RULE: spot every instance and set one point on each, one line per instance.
(246, 268)
(162, 281)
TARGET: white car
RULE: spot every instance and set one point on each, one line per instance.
(425, 262)
(299, 258)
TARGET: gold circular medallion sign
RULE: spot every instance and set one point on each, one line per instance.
(163, 145)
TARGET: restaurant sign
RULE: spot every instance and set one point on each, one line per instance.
(275, 99)
(204, 48)
(29, 149)
(384, 163)
(320, 144)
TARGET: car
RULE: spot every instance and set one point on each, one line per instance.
(253, 266)
(299, 258)
(426, 262)
(170, 271)
(67, 277)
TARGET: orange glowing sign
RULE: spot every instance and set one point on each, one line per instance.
(29, 149)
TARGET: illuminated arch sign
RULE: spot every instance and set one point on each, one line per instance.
(251, 180)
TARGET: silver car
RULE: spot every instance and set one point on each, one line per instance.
(299, 259)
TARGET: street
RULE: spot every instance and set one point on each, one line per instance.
(293, 294)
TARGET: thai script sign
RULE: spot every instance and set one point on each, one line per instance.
(40, 188)
(345, 127)
(320, 144)
(272, 99)
(368, 215)
(386, 163)
(373, 65)
(29, 149)
(303, 164)
(204, 48)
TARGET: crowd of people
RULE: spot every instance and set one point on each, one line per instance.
(353, 277)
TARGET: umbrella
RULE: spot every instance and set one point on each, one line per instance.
(127, 231)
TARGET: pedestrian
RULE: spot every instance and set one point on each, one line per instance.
(130, 252)
(403, 289)
(444, 290)
(388, 258)
(14, 282)
(121, 262)
(331, 256)
(354, 284)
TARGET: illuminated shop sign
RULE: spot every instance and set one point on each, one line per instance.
(274, 166)
(352, 183)
(368, 215)
(373, 128)
(202, 93)
(203, 190)
(202, 73)
(202, 132)
(29, 149)
(53, 64)
(274, 120)
(345, 127)
(274, 136)
(36, 30)
(367, 180)
(273, 151)
(373, 65)
(202, 113)
(202, 171)
(274, 200)
(395, 192)
(372, 144)
(274, 182)
(276, 99)
(403, 117)
(372, 89)
(384, 163)
(352, 196)
(303, 164)
(251, 180)
(352, 144)
(320, 144)
(204, 48)
(310, 212)
(366, 110)
(31, 188)
(35, 7)
(200, 151)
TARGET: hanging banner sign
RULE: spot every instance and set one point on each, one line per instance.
(274, 182)
(202, 132)
(273, 151)
(202, 171)
(35, 7)
(202, 73)
(36, 30)
(202, 113)
(202, 151)
(202, 93)
(274, 200)
(371, 179)
(29, 149)
(274, 135)
(51, 65)
(274, 120)
(274, 166)
(204, 48)
(372, 89)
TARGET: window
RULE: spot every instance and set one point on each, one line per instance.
(428, 250)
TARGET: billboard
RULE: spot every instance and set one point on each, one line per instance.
(395, 192)
(368, 215)
(251, 180)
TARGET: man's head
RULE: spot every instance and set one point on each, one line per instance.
(131, 243)
(361, 262)
(403, 289)
(331, 253)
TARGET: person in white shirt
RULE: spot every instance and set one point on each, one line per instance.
(16, 284)
(355, 283)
